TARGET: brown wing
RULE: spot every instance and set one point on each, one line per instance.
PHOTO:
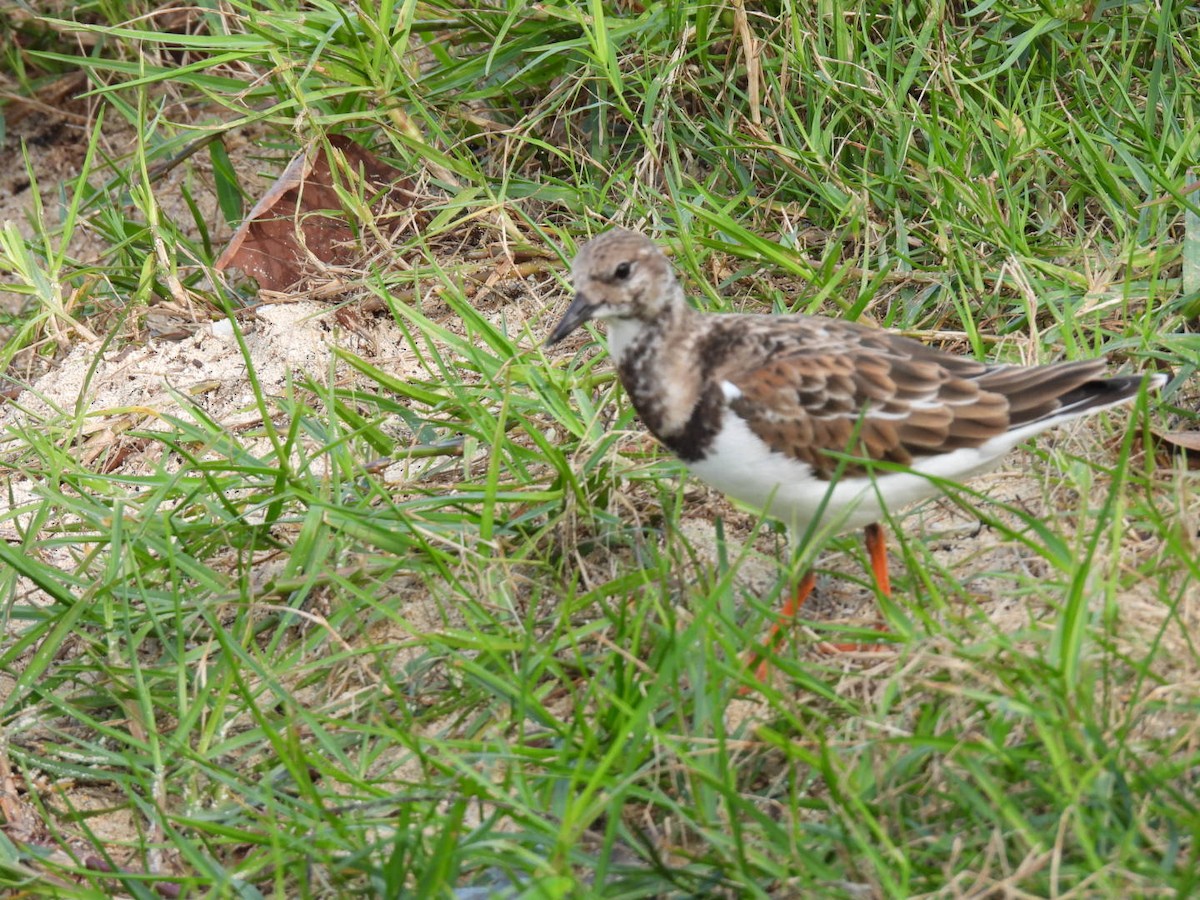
(839, 389)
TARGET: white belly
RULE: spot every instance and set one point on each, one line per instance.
(742, 466)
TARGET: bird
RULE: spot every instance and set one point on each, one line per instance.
(814, 421)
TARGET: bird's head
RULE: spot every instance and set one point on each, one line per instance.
(618, 275)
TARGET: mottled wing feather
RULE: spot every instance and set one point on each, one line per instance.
(1035, 392)
(821, 390)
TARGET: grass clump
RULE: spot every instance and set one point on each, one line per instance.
(365, 592)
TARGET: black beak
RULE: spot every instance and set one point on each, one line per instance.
(577, 313)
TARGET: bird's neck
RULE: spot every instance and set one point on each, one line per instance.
(633, 335)
(656, 363)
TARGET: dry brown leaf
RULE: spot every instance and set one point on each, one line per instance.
(1185, 442)
(300, 218)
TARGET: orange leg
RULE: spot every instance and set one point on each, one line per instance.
(876, 543)
(877, 551)
(789, 612)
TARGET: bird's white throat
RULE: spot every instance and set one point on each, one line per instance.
(621, 333)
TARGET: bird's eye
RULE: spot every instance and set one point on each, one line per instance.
(621, 272)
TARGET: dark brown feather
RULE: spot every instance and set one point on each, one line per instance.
(820, 390)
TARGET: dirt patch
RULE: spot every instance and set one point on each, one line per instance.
(45, 142)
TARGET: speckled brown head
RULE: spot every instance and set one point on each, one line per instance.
(619, 275)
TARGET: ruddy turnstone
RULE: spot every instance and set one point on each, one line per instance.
(815, 421)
